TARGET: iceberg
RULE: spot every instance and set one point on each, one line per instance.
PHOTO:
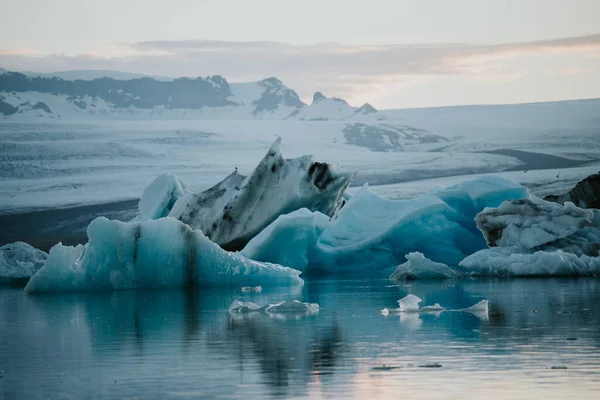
(529, 223)
(151, 254)
(420, 267)
(291, 239)
(370, 235)
(19, 260)
(238, 208)
(160, 196)
(537, 238)
(512, 261)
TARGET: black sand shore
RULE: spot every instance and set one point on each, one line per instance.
(43, 229)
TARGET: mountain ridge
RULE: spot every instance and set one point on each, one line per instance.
(145, 97)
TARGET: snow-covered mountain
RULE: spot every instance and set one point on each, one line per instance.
(27, 96)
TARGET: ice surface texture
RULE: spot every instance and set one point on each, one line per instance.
(151, 254)
(371, 235)
(238, 208)
(20, 260)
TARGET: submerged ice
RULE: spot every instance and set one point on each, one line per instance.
(151, 254)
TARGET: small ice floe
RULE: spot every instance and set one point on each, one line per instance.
(284, 308)
(243, 307)
(410, 304)
(431, 365)
(256, 289)
(558, 367)
(385, 367)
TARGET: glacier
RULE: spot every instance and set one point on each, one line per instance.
(238, 208)
(151, 254)
(20, 260)
(370, 235)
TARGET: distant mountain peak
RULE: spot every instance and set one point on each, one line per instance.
(318, 96)
(276, 94)
(366, 109)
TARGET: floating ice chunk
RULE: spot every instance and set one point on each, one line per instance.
(235, 210)
(420, 267)
(287, 307)
(151, 254)
(409, 303)
(292, 306)
(20, 260)
(481, 306)
(529, 223)
(371, 235)
(289, 240)
(243, 306)
(436, 308)
(160, 196)
(257, 289)
(510, 261)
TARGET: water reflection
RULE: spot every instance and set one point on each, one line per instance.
(185, 343)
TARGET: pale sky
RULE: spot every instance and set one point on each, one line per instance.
(391, 54)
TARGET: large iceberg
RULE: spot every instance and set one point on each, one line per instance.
(238, 208)
(19, 260)
(371, 235)
(151, 254)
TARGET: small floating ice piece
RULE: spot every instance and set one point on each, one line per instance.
(481, 307)
(256, 289)
(436, 308)
(293, 306)
(385, 367)
(243, 306)
(283, 307)
(409, 303)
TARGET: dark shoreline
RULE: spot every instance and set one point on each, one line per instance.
(43, 229)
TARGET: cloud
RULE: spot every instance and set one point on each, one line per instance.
(334, 68)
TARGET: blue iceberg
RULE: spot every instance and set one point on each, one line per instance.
(152, 254)
(370, 235)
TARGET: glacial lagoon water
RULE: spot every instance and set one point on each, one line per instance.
(541, 339)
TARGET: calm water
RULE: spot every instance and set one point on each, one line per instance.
(175, 344)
